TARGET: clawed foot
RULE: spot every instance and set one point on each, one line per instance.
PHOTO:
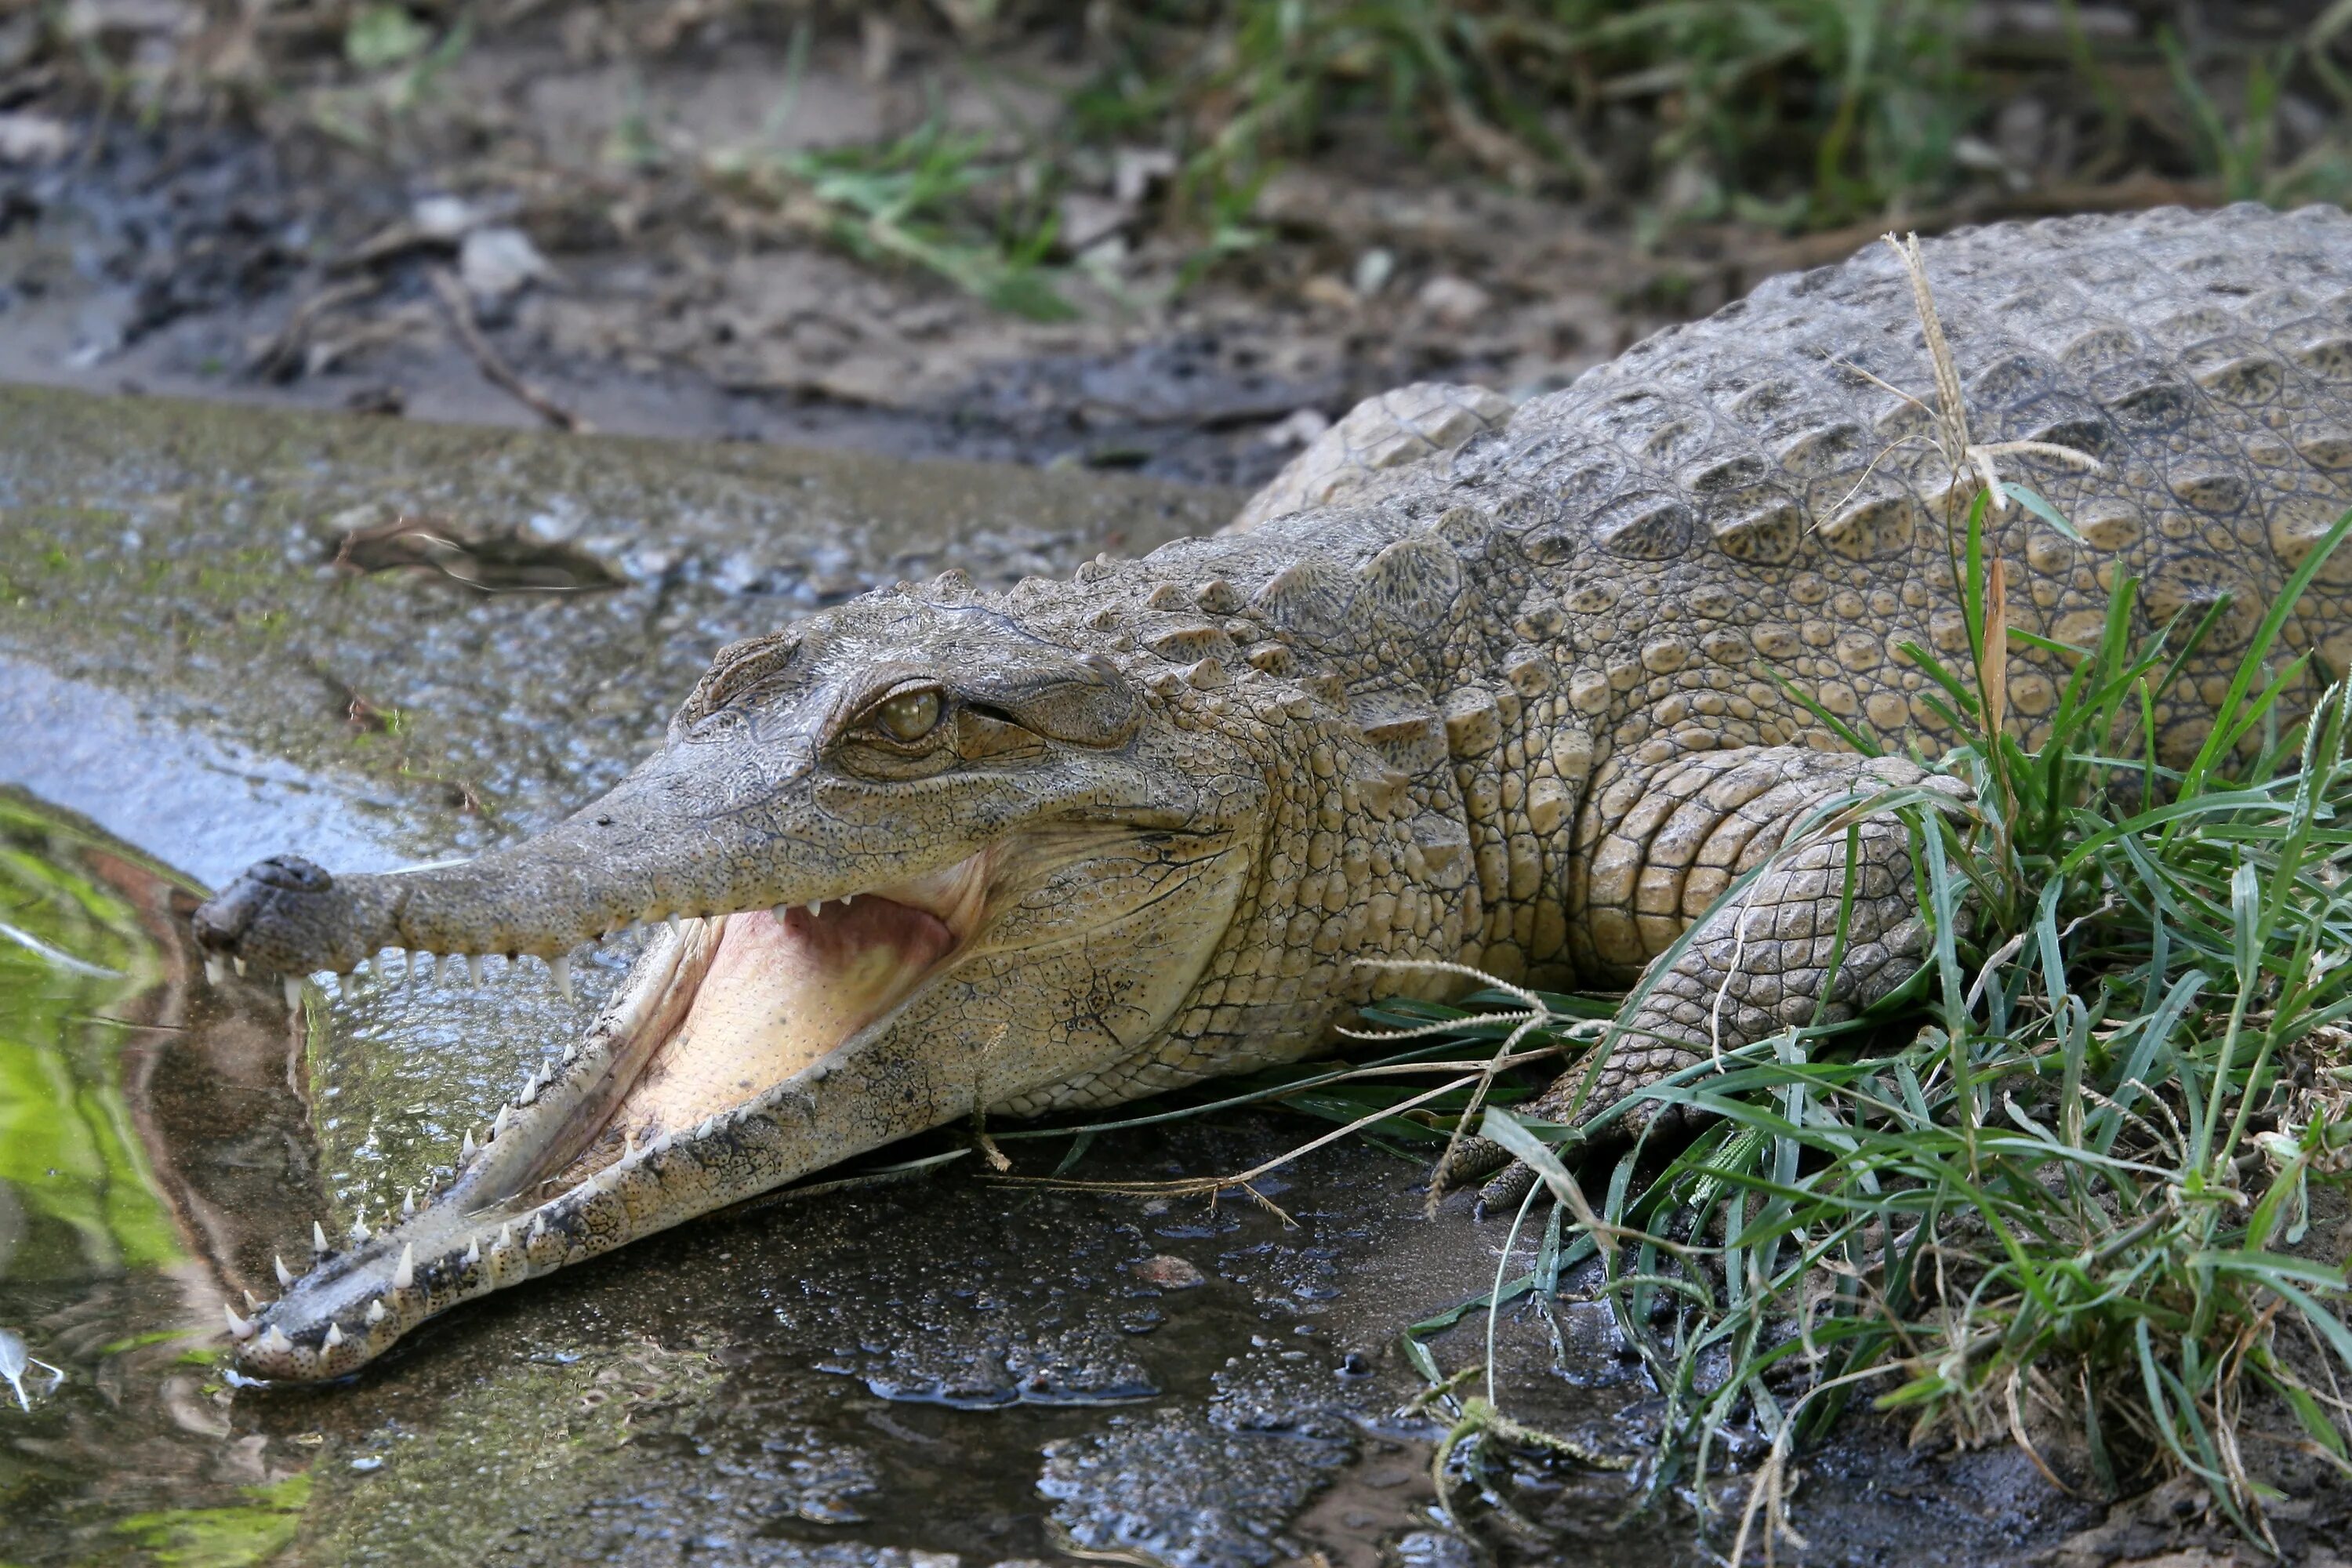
(1505, 1181)
(1474, 1160)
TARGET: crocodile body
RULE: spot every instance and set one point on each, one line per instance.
(1466, 684)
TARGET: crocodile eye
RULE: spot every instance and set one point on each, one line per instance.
(910, 715)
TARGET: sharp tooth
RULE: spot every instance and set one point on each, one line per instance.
(474, 969)
(408, 1204)
(848, 899)
(530, 1093)
(506, 1237)
(240, 967)
(779, 911)
(672, 921)
(285, 1275)
(538, 1226)
(472, 1251)
(318, 1237)
(375, 1313)
(628, 1145)
(572, 1053)
(466, 1149)
(293, 994)
(406, 1274)
(334, 1337)
(359, 1232)
(499, 1123)
(215, 969)
(239, 1327)
(252, 1302)
(561, 967)
(817, 908)
(275, 1341)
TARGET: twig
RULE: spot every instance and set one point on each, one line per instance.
(500, 373)
(1535, 1016)
(280, 356)
(1193, 1186)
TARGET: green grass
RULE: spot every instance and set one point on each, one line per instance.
(934, 198)
(2078, 1198)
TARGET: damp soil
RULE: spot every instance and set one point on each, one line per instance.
(211, 258)
(198, 664)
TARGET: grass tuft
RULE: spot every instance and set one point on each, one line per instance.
(2075, 1210)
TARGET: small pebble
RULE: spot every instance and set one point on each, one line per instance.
(1168, 1272)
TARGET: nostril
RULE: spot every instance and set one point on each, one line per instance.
(603, 822)
(292, 874)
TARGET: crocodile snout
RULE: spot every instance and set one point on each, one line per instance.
(282, 915)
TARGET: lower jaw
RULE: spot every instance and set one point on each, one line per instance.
(690, 1092)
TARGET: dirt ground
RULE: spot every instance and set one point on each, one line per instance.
(548, 233)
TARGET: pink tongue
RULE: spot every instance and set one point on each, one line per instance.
(777, 996)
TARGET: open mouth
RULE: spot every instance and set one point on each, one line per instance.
(706, 1058)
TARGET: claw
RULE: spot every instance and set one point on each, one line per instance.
(1507, 1191)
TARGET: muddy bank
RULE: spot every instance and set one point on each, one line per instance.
(211, 639)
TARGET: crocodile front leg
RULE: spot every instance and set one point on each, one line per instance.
(1657, 850)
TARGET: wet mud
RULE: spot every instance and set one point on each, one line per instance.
(956, 1370)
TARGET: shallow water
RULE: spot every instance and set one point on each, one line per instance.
(948, 1371)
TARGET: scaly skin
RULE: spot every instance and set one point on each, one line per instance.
(1492, 688)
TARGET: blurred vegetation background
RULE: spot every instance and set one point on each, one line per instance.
(1787, 115)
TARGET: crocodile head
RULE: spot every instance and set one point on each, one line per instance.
(906, 861)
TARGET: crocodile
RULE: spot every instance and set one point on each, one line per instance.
(1523, 690)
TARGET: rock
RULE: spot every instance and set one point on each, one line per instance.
(32, 139)
(497, 264)
(1327, 291)
(1299, 428)
(1170, 1272)
(1087, 219)
(445, 218)
(1135, 172)
(1457, 301)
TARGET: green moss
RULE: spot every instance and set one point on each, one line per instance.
(233, 1537)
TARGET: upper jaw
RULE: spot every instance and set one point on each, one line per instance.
(564, 1175)
(545, 897)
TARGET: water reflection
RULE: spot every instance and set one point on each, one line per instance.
(135, 1119)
